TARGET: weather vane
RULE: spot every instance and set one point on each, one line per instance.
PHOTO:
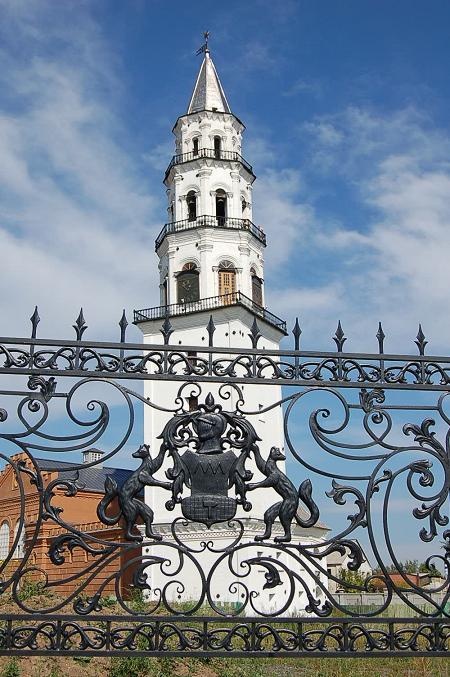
(204, 47)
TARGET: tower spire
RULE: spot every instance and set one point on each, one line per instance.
(204, 47)
(208, 92)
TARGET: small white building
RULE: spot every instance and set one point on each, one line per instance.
(211, 264)
(337, 562)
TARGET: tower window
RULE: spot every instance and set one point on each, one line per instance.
(256, 288)
(217, 146)
(221, 207)
(195, 146)
(188, 288)
(191, 200)
(227, 281)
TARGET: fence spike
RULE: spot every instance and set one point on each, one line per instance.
(210, 328)
(297, 333)
(80, 325)
(35, 319)
(166, 330)
(123, 324)
(254, 334)
(421, 341)
(380, 336)
(339, 338)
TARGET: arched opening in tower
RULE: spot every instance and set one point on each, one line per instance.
(221, 207)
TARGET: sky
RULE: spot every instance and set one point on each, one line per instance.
(346, 109)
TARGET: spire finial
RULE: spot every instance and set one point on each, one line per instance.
(204, 48)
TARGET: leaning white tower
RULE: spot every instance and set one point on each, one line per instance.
(211, 263)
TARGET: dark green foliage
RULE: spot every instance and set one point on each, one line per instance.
(11, 668)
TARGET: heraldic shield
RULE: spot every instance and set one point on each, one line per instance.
(216, 446)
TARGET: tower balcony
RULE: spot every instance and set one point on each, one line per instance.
(211, 153)
(205, 221)
(210, 303)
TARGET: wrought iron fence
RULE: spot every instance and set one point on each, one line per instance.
(373, 448)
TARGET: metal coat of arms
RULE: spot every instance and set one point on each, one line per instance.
(209, 448)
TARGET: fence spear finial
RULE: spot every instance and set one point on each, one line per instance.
(35, 319)
(380, 336)
(210, 328)
(80, 325)
(339, 338)
(123, 324)
(421, 341)
(297, 333)
(166, 330)
(254, 334)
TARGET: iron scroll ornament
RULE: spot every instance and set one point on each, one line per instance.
(202, 446)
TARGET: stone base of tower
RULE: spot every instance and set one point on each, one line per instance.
(224, 568)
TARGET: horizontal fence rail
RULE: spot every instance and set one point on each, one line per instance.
(114, 546)
(208, 637)
(287, 366)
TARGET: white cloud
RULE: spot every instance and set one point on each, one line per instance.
(76, 219)
(303, 86)
(395, 266)
(282, 213)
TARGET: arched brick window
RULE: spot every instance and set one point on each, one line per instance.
(4, 540)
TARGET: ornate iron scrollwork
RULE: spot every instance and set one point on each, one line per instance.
(360, 447)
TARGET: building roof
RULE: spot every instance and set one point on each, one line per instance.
(90, 479)
(208, 93)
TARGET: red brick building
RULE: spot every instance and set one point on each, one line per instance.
(79, 511)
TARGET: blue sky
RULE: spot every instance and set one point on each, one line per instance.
(346, 107)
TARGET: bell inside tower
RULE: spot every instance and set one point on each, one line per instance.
(221, 207)
(217, 146)
(191, 200)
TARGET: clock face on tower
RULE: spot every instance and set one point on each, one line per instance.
(187, 287)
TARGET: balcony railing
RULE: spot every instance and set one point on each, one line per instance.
(210, 222)
(210, 303)
(208, 153)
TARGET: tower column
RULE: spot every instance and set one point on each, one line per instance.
(178, 206)
(207, 286)
(204, 203)
(235, 210)
(204, 129)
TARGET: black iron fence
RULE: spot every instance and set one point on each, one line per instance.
(368, 440)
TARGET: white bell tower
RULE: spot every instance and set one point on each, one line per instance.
(211, 263)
